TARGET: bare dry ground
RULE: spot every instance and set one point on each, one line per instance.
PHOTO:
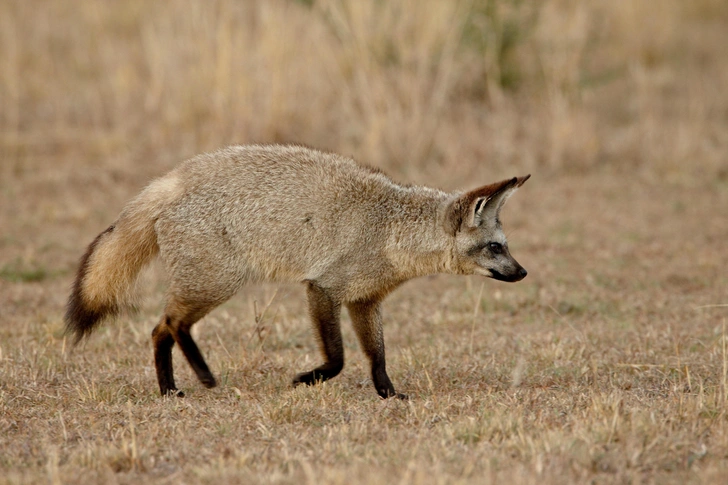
(607, 364)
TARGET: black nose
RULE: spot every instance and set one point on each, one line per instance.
(522, 273)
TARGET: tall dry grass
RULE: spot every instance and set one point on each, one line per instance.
(424, 88)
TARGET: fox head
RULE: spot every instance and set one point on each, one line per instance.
(473, 219)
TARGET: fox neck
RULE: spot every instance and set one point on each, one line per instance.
(418, 245)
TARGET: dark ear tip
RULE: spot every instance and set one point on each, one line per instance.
(520, 180)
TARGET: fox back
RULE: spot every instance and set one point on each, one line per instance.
(287, 214)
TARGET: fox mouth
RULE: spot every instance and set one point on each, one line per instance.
(517, 275)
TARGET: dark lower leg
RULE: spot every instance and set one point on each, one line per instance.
(367, 319)
(324, 310)
(180, 319)
(163, 343)
(194, 357)
(381, 381)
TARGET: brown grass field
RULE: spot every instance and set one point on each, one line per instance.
(607, 364)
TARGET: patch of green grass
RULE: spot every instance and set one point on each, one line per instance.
(18, 273)
(497, 29)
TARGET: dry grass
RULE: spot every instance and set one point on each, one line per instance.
(608, 364)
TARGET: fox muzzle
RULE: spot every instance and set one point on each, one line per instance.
(517, 275)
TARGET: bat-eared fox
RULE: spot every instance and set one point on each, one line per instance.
(247, 214)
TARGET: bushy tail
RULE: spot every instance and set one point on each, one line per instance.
(106, 280)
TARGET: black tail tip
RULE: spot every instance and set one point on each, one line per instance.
(82, 320)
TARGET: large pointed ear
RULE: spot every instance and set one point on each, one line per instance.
(488, 208)
(484, 203)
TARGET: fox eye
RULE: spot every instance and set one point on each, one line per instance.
(495, 248)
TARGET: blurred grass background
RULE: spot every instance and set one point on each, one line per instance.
(428, 89)
(607, 364)
(97, 98)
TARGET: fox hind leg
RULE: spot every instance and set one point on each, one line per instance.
(175, 328)
(325, 311)
(163, 343)
(367, 319)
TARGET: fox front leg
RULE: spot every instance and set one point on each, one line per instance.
(367, 319)
(325, 311)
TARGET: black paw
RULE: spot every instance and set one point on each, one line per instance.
(208, 381)
(388, 393)
(320, 374)
(308, 378)
(173, 393)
